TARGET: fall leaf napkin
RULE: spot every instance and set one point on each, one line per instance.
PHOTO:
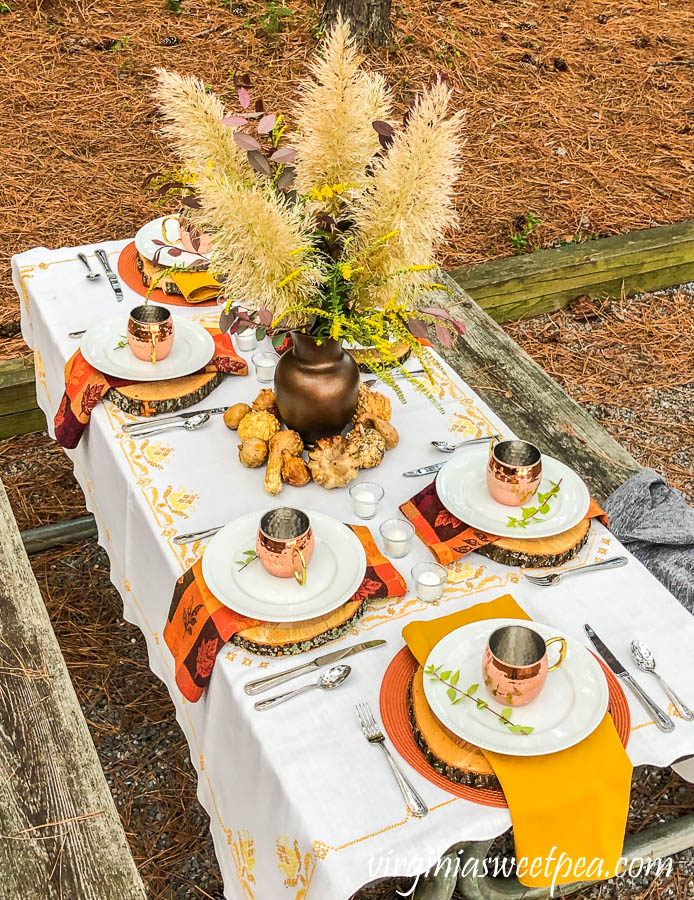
(85, 386)
(445, 535)
(199, 625)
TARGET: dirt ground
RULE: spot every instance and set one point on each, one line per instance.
(580, 114)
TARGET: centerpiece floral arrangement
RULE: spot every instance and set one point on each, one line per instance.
(333, 236)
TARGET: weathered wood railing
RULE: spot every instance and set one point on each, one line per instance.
(60, 834)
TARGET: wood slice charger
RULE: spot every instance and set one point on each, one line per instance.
(538, 553)
(153, 398)
(435, 752)
(290, 638)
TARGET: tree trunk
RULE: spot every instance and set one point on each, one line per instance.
(370, 19)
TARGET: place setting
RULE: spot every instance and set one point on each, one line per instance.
(146, 362)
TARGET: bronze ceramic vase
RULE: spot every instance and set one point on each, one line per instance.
(316, 387)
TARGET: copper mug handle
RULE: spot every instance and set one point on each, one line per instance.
(300, 576)
(562, 652)
(492, 444)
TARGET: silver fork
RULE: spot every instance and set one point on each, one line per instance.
(555, 577)
(370, 382)
(374, 735)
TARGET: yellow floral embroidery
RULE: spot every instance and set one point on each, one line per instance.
(180, 501)
(243, 852)
(296, 866)
(40, 372)
(156, 453)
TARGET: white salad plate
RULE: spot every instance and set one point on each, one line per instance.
(102, 346)
(570, 706)
(334, 574)
(168, 233)
(462, 488)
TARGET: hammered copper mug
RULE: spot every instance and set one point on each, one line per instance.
(514, 663)
(514, 471)
(284, 543)
(150, 332)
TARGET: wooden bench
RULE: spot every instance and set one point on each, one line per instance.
(60, 834)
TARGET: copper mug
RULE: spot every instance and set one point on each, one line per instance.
(514, 471)
(284, 543)
(150, 332)
(514, 664)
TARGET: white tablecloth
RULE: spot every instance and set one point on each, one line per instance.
(296, 796)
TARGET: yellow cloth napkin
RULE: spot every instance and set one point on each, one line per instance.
(569, 809)
(196, 287)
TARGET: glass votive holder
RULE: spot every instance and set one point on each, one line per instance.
(429, 579)
(265, 364)
(366, 495)
(246, 340)
(397, 536)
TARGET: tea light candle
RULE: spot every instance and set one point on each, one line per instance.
(265, 364)
(429, 579)
(365, 498)
(396, 534)
(245, 340)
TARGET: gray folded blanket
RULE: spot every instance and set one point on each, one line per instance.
(655, 523)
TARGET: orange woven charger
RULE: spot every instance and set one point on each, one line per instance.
(130, 275)
(396, 719)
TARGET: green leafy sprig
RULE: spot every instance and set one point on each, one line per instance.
(529, 513)
(456, 695)
(249, 557)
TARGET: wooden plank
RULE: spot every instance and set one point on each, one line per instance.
(17, 385)
(60, 835)
(27, 422)
(529, 401)
(540, 282)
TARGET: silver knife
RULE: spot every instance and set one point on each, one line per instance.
(131, 427)
(425, 470)
(662, 720)
(271, 681)
(111, 275)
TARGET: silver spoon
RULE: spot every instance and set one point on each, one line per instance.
(645, 660)
(91, 275)
(191, 424)
(445, 447)
(328, 680)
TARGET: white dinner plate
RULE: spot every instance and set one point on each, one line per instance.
(462, 488)
(570, 706)
(153, 231)
(334, 574)
(193, 348)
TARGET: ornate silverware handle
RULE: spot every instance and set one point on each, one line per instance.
(271, 681)
(156, 429)
(414, 802)
(615, 563)
(681, 706)
(661, 719)
(103, 259)
(196, 535)
(280, 698)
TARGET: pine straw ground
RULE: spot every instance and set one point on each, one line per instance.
(635, 384)
(580, 113)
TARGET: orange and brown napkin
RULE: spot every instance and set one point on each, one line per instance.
(445, 535)
(574, 802)
(85, 386)
(199, 624)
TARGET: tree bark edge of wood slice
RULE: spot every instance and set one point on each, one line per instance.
(539, 553)
(450, 756)
(152, 398)
(291, 638)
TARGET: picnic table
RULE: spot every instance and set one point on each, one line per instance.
(297, 799)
